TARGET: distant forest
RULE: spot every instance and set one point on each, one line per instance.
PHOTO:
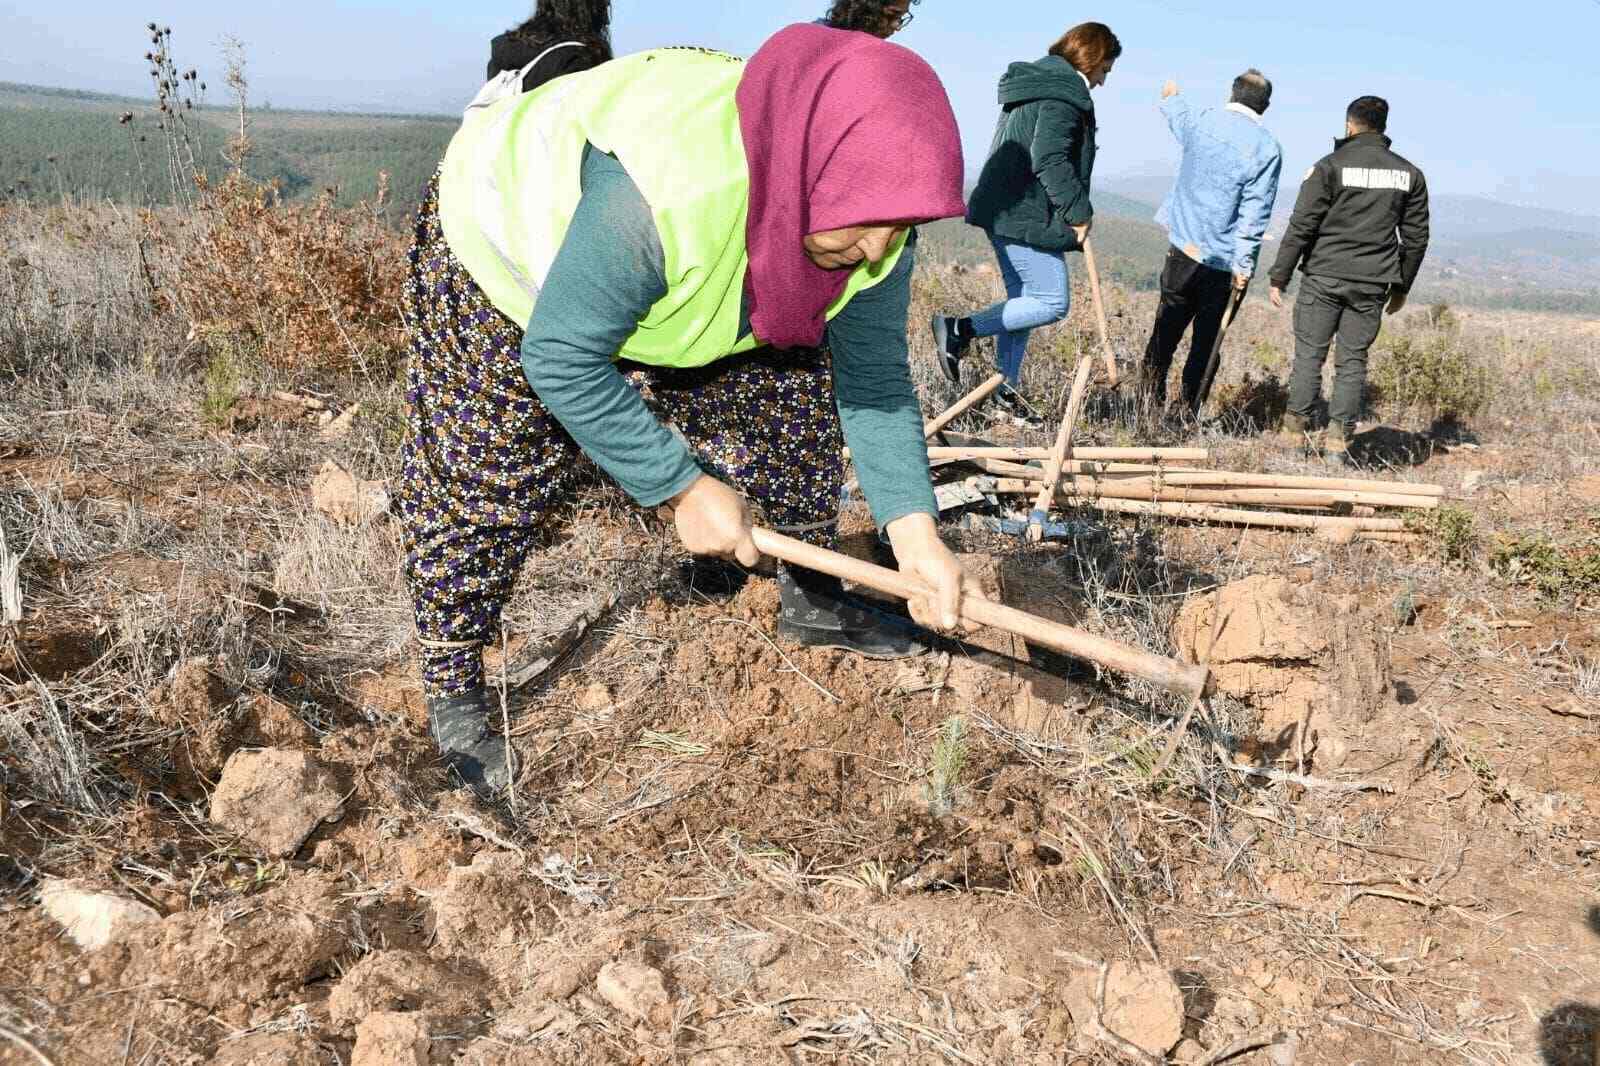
(56, 144)
(61, 144)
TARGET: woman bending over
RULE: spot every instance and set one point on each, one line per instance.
(686, 222)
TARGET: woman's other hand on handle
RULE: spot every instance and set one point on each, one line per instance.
(922, 555)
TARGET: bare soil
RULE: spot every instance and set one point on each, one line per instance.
(824, 859)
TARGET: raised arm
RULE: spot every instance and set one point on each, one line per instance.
(1176, 110)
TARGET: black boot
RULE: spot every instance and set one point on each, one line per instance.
(951, 338)
(460, 727)
(816, 612)
(1016, 405)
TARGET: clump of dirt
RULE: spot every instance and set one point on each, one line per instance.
(1311, 661)
(48, 653)
(275, 799)
(393, 1039)
(236, 959)
(248, 413)
(1142, 1004)
(208, 724)
(391, 981)
(488, 907)
(346, 499)
(270, 1049)
(196, 705)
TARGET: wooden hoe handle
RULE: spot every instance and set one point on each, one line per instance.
(1169, 674)
(1100, 313)
(963, 405)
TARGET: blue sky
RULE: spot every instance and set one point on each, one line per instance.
(1487, 99)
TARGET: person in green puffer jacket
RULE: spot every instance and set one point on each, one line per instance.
(1032, 198)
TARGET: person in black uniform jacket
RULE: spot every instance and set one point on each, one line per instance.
(565, 36)
(1359, 232)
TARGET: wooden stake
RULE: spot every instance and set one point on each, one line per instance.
(1154, 489)
(1087, 454)
(1134, 472)
(963, 405)
(1210, 478)
(1206, 513)
(1100, 313)
(1058, 454)
(1182, 678)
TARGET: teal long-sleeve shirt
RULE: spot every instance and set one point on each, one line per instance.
(610, 271)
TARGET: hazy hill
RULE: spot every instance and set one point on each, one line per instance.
(1482, 251)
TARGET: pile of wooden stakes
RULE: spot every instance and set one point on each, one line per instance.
(1337, 509)
(1168, 482)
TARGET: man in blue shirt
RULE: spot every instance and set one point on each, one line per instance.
(1215, 216)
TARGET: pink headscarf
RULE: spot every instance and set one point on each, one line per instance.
(840, 129)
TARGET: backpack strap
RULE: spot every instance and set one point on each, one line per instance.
(523, 73)
(508, 83)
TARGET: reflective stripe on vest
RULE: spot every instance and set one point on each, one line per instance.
(510, 185)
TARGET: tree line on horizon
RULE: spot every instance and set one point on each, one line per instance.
(94, 153)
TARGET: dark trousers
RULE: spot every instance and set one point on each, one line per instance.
(1327, 308)
(1190, 293)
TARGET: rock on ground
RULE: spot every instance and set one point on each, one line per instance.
(345, 498)
(389, 1039)
(636, 990)
(92, 919)
(274, 799)
(1292, 650)
(1143, 1004)
(338, 426)
(389, 981)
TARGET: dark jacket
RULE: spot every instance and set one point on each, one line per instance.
(1362, 215)
(1035, 185)
(510, 51)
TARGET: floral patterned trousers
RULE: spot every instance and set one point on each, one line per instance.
(486, 466)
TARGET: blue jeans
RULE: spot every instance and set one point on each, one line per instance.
(1036, 284)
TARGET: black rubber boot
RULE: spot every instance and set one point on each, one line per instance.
(816, 612)
(1016, 405)
(460, 727)
(949, 345)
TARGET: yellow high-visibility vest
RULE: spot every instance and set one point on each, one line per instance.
(510, 186)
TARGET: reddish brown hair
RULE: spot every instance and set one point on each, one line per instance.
(1087, 45)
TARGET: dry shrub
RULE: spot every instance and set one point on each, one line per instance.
(1431, 371)
(1450, 532)
(311, 287)
(1251, 402)
(1555, 569)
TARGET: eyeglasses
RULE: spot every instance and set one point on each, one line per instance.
(903, 21)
